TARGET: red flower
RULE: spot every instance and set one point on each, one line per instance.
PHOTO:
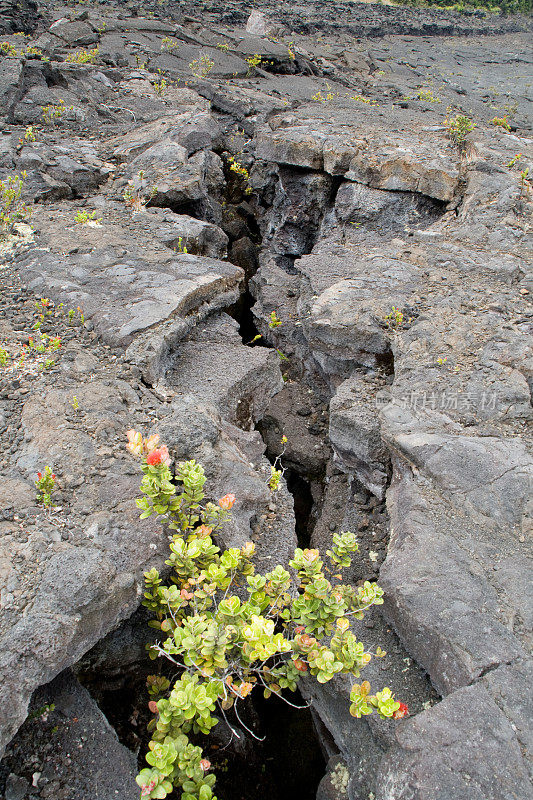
(402, 711)
(159, 456)
(39, 475)
(205, 764)
(227, 501)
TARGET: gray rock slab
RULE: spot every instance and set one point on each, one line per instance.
(355, 435)
(74, 33)
(381, 160)
(122, 296)
(212, 363)
(218, 63)
(451, 752)
(459, 628)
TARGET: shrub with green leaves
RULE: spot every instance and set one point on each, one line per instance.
(83, 56)
(228, 630)
(458, 129)
(201, 67)
(12, 207)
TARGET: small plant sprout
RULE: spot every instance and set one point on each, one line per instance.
(8, 49)
(83, 56)
(53, 113)
(256, 338)
(201, 67)
(442, 361)
(4, 357)
(86, 217)
(181, 247)
(515, 159)
(394, 319)
(45, 485)
(44, 308)
(290, 51)
(359, 98)
(12, 207)
(501, 122)
(168, 44)
(239, 169)
(275, 477)
(525, 183)
(340, 778)
(253, 62)
(161, 85)
(427, 96)
(328, 96)
(276, 469)
(29, 135)
(45, 344)
(137, 194)
(224, 47)
(42, 713)
(458, 128)
(33, 51)
(75, 403)
(275, 321)
(228, 630)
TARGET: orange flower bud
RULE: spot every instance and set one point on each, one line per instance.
(159, 456)
(402, 711)
(227, 501)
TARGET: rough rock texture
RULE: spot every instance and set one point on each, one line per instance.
(67, 733)
(431, 747)
(18, 16)
(319, 184)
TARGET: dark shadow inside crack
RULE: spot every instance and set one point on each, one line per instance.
(300, 488)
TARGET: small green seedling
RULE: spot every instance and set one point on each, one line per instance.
(394, 318)
(275, 321)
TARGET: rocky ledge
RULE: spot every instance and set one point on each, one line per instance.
(188, 179)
